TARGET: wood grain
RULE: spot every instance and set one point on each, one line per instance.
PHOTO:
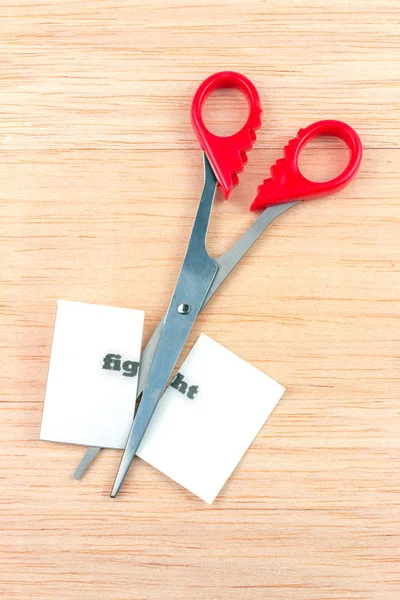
(99, 179)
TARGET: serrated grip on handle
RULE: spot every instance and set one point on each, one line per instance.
(227, 154)
(287, 183)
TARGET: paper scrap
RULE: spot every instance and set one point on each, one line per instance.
(93, 375)
(208, 417)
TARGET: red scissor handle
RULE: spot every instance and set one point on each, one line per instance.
(287, 183)
(227, 155)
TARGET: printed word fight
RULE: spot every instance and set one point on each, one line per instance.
(130, 368)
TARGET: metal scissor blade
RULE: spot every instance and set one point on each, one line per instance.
(227, 262)
(196, 276)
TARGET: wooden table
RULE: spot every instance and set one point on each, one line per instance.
(99, 182)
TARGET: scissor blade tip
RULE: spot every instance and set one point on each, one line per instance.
(115, 490)
(117, 484)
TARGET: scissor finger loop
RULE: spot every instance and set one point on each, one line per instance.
(227, 154)
(287, 183)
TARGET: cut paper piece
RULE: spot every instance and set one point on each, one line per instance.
(208, 417)
(93, 375)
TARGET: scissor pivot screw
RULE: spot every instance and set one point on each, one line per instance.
(183, 309)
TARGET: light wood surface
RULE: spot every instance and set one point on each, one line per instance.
(99, 180)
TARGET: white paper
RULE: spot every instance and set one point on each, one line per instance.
(198, 438)
(86, 403)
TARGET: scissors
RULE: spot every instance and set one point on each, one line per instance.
(201, 275)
